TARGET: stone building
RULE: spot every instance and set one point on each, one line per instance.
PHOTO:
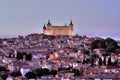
(58, 30)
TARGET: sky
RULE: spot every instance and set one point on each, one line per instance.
(90, 17)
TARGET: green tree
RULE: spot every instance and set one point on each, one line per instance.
(84, 61)
(60, 69)
(100, 62)
(92, 61)
(3, 68)
(115, 63)
(15, 74)
(76, 72)
(4, 76)
(104, 61)
(30, 75)
(94, 44)
(93, 58)
(86, 52)
(112, 45)
(109, 61)
(106, 53)
(29, 56)
(53, 72)
(20, 55)
(100, 43)
(41, 71)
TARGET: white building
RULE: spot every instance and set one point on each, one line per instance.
(24, 70)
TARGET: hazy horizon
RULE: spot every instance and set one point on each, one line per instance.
(90, 36)
(90, 17)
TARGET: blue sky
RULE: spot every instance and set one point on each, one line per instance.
(90, 17)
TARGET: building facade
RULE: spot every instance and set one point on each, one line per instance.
(58, 30)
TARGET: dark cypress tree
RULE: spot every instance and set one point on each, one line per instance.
(104, 61)
(115, 63)
(109, 61)
(100, 62)
(30, 75)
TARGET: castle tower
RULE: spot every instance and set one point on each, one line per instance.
(44, 27)
(71, 24)
(48, 24)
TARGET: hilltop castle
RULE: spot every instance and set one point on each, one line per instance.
(49, 29)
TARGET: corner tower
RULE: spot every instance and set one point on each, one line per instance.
(49, 24)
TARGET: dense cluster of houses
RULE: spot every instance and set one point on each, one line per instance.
(54, 52)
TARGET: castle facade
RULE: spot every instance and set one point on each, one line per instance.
(49, 29)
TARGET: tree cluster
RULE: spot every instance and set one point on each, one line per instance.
(100, 43)
(40, 72)
(43, 71)
(15, 74)
(109, 62)
(3, 73)
(76, 72)
(21, 54)
(109, 44)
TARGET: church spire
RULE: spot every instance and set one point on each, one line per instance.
(71, 24)
(48, 24)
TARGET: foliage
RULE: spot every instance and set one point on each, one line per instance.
(53, 72)
(76, 72)
(110, 44)
(86, 52)
(93, 58)
(100, 62)
(109, 61)
(60, 69)
(86, 61)
(28, 56)
(4, 76)
(115, 63)
(106, 54)
(92, 61)
(98, 44)
(15, 74)
(21, 54)
(30, 75)
(2, 69)
(104, 61)
(41, 71)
